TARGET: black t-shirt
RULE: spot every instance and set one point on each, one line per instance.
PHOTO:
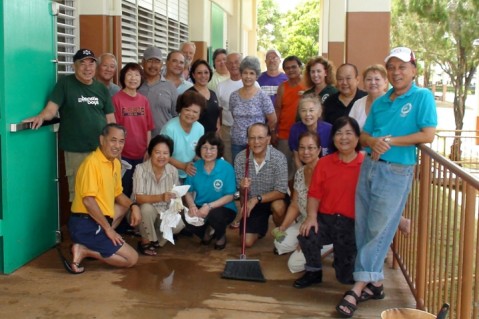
(211, 113)
(333, 108)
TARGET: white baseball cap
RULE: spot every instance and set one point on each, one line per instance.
(402, 53)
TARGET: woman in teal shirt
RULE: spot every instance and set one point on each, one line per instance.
(214, 184)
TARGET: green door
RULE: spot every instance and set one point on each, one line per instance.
(217, 29)
(28, 165)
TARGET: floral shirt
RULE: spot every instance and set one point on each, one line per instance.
(248, 112)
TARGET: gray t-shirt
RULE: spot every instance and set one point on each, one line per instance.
(162, 96)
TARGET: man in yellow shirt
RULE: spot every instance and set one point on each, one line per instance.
(99, 205)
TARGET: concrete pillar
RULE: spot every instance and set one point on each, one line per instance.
(199, 28)
(333, 30)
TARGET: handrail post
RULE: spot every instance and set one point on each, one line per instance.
(469, 247)
(423, 216)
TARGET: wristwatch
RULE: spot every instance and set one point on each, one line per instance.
(259, 198)
(387, 140)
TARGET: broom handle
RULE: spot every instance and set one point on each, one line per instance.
(245, 206)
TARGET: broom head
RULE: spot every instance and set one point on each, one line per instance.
(243, 269)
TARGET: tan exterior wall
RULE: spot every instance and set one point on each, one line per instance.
(101, 34)
(100, 26)
(335, 53)
(367, 38)
(355, 31)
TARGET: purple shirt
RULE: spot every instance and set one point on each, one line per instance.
(269, 84)
(323, 130)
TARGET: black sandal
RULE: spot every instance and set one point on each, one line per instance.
(72, 267)
(146, 249)
(344, 303)
(377, 293)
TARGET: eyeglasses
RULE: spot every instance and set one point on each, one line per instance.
(310, 148)
(257, 138)
(209, 149)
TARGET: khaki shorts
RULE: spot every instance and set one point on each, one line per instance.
(72, 163)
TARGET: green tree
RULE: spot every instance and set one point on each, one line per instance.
(269, 25)
(442, 32)
(301, 30)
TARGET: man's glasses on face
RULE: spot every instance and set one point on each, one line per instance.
(256, 138)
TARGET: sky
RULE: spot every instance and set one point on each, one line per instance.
(285, 5)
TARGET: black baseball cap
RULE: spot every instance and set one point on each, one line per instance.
(84, 54)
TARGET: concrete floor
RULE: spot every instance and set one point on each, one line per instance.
(183, 281)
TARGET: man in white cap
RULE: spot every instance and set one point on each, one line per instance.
(270, 79)
(399, 120)
(161, 93)
(85, 107)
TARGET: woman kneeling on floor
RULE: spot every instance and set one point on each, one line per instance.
(214, 184)
(153, 181)
(330, 207)
(286, 235)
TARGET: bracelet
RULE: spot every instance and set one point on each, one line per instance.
(134, 204)
(209, 206)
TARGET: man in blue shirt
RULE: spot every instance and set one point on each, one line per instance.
(399, 120)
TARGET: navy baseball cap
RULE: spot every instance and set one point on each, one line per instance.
(84, 54)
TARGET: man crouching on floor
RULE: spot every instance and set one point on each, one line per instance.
(99, 205)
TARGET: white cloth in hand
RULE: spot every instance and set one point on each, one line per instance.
(193, 220)
(171, 217)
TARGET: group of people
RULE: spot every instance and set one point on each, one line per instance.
(290, 143)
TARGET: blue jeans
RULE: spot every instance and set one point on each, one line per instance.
(235, 149)
(381, 195)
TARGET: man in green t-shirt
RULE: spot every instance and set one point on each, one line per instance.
(85, 107)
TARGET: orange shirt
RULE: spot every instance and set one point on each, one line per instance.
(289, 107)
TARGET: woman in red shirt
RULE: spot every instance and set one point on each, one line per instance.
(330, 207)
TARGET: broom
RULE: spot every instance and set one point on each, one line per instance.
(244, 269)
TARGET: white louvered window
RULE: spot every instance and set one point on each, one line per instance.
(66, 40)
(162, 23)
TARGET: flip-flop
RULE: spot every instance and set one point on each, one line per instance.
(68, 265)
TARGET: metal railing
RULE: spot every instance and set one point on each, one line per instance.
(469, 148)
(440, 257)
